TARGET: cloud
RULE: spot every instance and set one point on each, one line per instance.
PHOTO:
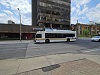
(74, 20)
(84, 10)
(4, 18)
(8, 12)
(94, 14)
(77, 6)
(78, 9)
(3, 15)
(12, 11)
(80, 2)
(26, 20)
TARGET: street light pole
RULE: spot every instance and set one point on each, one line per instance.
(77, 27)
(20, 23)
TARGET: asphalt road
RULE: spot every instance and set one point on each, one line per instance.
(24, 50)
(17, 50)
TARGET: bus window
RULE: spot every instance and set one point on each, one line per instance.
(38, 36)
(71, 35)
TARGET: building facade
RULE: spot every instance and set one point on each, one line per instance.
(12, 31)
(93, 29)
(51, 13)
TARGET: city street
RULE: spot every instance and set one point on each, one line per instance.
(29, 49)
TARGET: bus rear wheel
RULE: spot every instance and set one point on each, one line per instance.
(47, 41)
(68, 40)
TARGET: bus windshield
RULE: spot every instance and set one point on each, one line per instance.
(38, 36)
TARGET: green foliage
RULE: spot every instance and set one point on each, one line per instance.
(86, 32)
(82, 36)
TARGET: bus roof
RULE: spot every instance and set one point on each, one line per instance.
(57, 31)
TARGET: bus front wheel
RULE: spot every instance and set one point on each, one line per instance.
(68, 40)
(47, 41)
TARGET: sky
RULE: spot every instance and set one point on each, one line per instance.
(82, 10)
(85, 11)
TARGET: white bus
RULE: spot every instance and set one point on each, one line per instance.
(55, 36)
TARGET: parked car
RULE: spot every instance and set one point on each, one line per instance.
(95, 38)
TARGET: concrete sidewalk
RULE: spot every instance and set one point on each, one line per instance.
(60, 64)
(15, 41)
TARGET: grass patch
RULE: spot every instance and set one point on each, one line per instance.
(82, 36)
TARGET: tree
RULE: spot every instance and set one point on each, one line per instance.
(85, 32)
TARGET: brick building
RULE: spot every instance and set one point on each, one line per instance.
(12, 31)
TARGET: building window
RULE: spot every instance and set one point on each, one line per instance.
(43, 18)
(42, 4)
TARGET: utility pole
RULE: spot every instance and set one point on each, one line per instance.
(96, 28)
(20, 23)
(77, 30)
